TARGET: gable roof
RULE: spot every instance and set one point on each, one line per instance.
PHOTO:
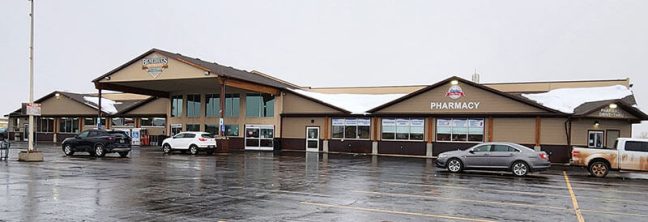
(212, 67)
(470, 83)
(79, 98)
(625, 104)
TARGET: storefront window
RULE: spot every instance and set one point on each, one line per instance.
(351, 128)
(232, 105)
(45, 125)
(460, 129)
(176, 105)
(212, 105)
(259, 105)
(213, 129)
(193, 105)
(69, 125)
(193, 127)
(595, 139)
(231, 130)
(92, 121)
(123, 122)
(403, 128)
(155, 121)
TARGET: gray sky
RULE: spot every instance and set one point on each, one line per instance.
(330, 43)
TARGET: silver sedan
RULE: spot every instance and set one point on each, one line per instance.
(495, 156)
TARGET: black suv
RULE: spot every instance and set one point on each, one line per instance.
(98, 143)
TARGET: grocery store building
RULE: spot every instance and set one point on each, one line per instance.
(260, 112)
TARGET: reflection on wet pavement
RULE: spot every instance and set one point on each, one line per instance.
(298, 186)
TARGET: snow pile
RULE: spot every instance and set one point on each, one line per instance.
(354, 103)
(107, 106)
(567, 99)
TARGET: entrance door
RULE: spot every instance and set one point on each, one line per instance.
(312, 139)
(259, 137)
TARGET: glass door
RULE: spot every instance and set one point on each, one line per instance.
(312, 139)
(259, 137)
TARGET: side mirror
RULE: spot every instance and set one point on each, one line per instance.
(471, 152)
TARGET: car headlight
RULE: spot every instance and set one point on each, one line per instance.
(443, 155)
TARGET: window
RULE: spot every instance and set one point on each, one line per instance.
(231, 130)
(193, 105)
(213, 129)
(636, 146)
(595, 139)
(45, 125)
(84, 134)
(212, 105)
(92, 121)
(69, 125)
(259, 105)
(351, 128)
(123, 122)
(155, 121)
(460, 129)
(503, 148)
(484, 148)
(193, 127)
(232, 105)
(176, 105)
(403, 129)
(189, 135)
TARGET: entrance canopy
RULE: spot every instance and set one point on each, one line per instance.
(160, 73)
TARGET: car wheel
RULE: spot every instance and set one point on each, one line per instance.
(455, 165)
(193, 149)
(166, 148)
(123, 154)
(99, 150)
(599, 169)
(67, 149)
(520, 168)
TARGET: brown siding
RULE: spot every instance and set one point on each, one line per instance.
(350, 146)
(297, 144)
(516, 130)
(158, 106)
(176, 70)
(440, 147)
(64, 106)
(295, 127)
(489, 102)
(581, 127)
(297, 104)
(402, 147)
(552, 131)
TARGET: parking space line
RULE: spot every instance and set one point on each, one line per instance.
(485, 190)
(535, 206)
(579, 215)
(440, 216)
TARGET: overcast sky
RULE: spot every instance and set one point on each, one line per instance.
(330, 43)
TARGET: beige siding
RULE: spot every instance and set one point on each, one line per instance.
(158, 106)
(581, 127)
(295, 127)
(489, 102)
(176, 70)
(553, 131)
(296, 104)
(517, 130)
(65, 106)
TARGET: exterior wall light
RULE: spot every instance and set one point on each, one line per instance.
(57, 95)
(613, 106)
(596, 124)
(207, 73)
(107, 78)
(454, 82)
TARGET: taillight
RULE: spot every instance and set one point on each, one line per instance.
(202, 139)
(543, 156)
(575, 153)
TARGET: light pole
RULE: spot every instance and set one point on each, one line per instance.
(31, 155)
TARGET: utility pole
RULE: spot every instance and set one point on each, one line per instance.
(31, 155)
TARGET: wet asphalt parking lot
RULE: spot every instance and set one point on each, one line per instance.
(298, 186)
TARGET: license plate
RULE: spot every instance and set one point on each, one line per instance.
(121, 141)
(211, 146)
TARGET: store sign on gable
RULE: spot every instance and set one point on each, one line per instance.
(454, 92)
(154, 65)
(611, 112)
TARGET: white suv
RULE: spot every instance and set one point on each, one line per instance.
(192, 141)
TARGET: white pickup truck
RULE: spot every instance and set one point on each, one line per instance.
(627, 154)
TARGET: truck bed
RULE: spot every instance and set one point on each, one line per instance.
(582, 155)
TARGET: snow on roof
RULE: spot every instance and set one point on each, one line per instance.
(107, 106)
(354, 103)
(567, 99)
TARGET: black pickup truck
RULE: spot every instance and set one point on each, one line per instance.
(98, 143)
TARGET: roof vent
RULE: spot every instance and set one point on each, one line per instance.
(475, 77)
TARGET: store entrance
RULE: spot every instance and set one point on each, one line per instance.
(259, 137)
(312, 139)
